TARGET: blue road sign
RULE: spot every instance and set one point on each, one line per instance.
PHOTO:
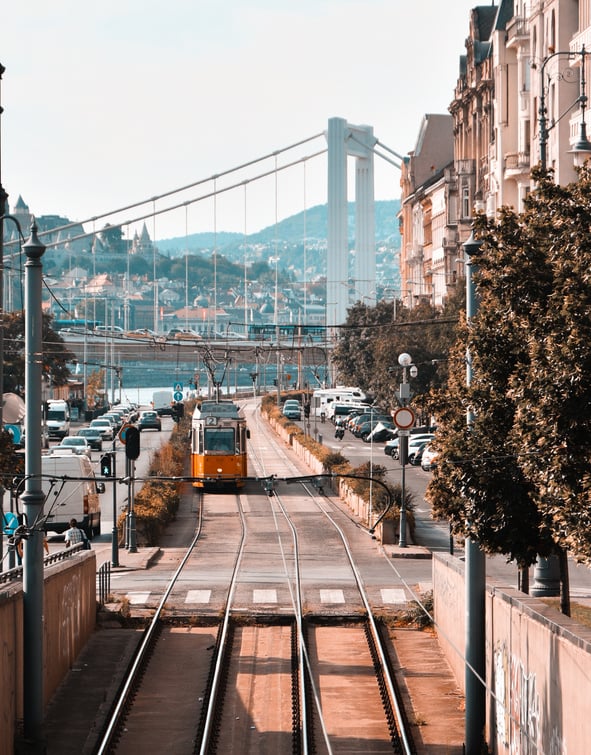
(178, 396)
(178, 388)
(15, 431)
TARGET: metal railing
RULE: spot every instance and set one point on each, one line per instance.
(103, 582)
(16, 573)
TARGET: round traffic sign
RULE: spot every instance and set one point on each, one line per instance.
(404, 418)
(178, 396)
(123, 431)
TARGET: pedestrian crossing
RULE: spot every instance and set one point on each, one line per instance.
(388, 596)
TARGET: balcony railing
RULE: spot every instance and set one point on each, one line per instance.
(517, 28)
(517, 161)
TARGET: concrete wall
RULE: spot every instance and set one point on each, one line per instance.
(538, 665)
(69, 610)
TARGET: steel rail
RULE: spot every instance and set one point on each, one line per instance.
(379, 645)
(138, 660)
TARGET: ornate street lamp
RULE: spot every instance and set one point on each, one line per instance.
(582, 148)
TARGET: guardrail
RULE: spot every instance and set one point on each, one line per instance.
(16, 573)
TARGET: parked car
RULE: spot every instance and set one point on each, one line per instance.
(142, 333)
(114, 419)
(93, 437)
(415, 452)
(105, 427)
(149, 421)
(382, 431)
(429, 458)
(391, 447)
(74, 443)
(366, 423)
(292, 409)
(182, 333)
(130, 411)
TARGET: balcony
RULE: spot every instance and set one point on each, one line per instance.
(581, 38)
(465, 167)
(517, 31)
(517, 162)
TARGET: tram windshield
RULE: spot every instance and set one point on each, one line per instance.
(220, 440)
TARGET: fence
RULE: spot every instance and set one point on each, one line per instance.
(103, 583)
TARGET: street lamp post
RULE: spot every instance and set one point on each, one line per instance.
(582, 147)
(546, 570)
(475, 669)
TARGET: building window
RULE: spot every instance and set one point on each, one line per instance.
(466, 202)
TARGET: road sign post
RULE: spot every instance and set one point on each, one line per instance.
(404, 419)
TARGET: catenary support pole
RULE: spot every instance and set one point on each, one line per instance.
(114, 530)
(33, 499)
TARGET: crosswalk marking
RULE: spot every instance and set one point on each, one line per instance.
(332, 596)
(198, 596)
(138, 597)
(393, 596)
(264, 596)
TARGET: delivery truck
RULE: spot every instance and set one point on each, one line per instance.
(162, 402)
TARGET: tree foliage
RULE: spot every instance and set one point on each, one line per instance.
(518, 478)
(55, 354)
(373, 337)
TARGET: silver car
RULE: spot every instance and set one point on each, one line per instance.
(75, 443)
(106, 428)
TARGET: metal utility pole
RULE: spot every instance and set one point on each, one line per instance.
(3, 198)
(33, 499)
(475, 670)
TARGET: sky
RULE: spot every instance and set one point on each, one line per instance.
(106, 105)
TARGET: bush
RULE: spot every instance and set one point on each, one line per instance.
(156, 504)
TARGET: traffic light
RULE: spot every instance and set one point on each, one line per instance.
(306, 410)
(132, 442)
(106, 465)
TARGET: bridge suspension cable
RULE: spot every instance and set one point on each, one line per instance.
(179, 190)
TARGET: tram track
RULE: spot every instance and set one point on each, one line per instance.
(281, 675)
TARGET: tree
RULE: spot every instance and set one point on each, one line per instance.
(112, 238)
(518, 479)
(55, 354)
(371, 340)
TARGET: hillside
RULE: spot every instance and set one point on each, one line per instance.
(289, 233)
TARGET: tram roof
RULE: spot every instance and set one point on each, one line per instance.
(218, 409)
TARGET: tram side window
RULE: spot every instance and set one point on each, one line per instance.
(219, 440)
(198, 440)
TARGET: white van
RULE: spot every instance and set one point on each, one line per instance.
(58, 418)
(73, 498)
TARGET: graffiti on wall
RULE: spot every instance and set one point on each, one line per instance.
(518, 711)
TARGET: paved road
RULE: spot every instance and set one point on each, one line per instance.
(150, 441)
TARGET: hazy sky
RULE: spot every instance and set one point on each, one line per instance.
(112, 103)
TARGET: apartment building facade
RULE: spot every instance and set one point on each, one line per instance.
(520, 56)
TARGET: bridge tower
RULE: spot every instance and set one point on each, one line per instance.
(357, 141)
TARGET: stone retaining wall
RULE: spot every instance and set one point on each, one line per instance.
(69, 615)
(538, 665)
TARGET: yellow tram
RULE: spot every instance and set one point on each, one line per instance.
(218, 445)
